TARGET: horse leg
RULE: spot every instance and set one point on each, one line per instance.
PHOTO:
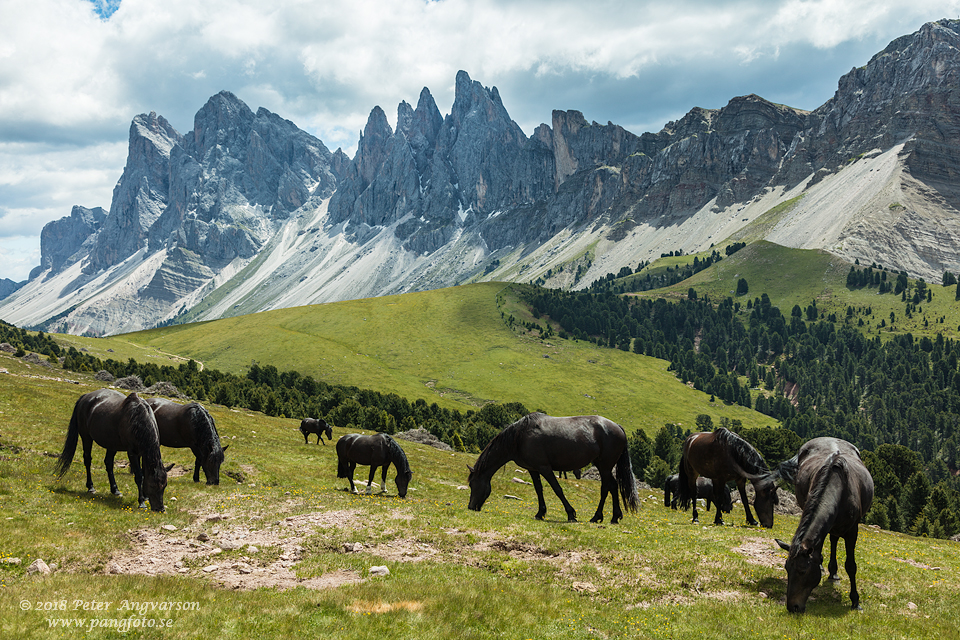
(87, 460)
(196, 469)
(319, 439)
(373, 472)
(605, 480)
(850, 543)
(742, 486)
(383, 479)
(134, 459)
(353, 467)
(714, 497)
(615, 493)
(833, 567)
(538, 486)
(555, 485)
(108, 463)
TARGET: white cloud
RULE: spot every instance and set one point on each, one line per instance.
(71, 78)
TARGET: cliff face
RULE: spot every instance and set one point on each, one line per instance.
(443, 200)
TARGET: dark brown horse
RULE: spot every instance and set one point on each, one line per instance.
(118, 423)
(671, 489)
(190, 425)
(835, 490)
(723, 456)
(314, 425)
(542, 445)
(375, 450)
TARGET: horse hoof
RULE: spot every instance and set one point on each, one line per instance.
(595, 519)
(539, 516)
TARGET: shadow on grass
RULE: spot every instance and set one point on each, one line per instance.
(107, 499)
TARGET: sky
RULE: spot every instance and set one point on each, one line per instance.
(74, 73)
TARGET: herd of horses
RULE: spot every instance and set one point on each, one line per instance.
(833, 487)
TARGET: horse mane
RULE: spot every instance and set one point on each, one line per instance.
(397, 455)
(204, 429)
(504, 444)
(834, 464)
(144, 429)
(748, 457)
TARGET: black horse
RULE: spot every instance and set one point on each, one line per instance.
(313, 425)
(118, 423)
(835, 490)
(375, 450)
(671, 489)
(542, 444)
(190, 425)
(723, 456)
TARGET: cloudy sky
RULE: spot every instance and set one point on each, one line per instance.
(73, 73)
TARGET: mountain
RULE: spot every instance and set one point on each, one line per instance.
(247, 212)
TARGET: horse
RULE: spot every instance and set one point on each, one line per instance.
(375, 450)
(723, 456)
(313, 425)
(543, 444)
(704, 490)
(835, 490)
(563, 474)
(118, 423)
(190, 425)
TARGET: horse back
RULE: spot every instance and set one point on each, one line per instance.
(173, 423)
(816, 457)
(568, 443)
(364, 450)
(100, 418)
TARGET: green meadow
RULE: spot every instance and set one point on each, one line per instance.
(452, 572)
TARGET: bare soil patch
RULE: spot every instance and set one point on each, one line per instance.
(233, 554)
(761, 551)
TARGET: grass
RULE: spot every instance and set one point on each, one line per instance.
(448, 346)
(453, 572)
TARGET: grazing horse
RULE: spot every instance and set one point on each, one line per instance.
(723, 456)
(704, 490)
(835, 490)
(118, 423)
(375, 450)
(543, 444)
(313, 425)
(190, 425)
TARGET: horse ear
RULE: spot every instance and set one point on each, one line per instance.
(170, 466)
(226, 447)
(470, 468)
(783, 545)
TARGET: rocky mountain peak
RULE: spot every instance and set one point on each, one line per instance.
(224, 121)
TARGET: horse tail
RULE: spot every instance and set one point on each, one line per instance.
(343, 464)
(70, 444)
(628, 484)
(685, 496)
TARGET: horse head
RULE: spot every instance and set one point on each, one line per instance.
(211, 465)
(803, 573)
(479, 490)
(766, 498)
(154, 484)
(403, 481)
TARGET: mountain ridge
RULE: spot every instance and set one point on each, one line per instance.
(250, 207)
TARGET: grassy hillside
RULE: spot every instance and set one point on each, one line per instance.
(449, 346)
(801, 277)
(453, 572)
